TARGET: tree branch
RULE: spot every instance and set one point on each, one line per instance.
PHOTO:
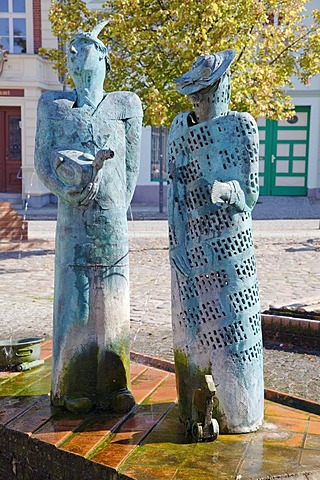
(244, 47)
(290, 46)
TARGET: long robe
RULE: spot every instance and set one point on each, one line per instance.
(91, 299)
(215, 297)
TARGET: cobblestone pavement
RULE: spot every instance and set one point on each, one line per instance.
(288, 259)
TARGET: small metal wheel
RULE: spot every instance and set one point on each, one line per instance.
(197, 432)
(214, 429)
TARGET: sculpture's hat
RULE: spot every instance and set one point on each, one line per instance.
(205, 71)
(93, 37)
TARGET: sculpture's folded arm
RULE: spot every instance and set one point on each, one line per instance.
(242, 193)
(45, 159)
(176, 215)
(133, 141)
(250, 187)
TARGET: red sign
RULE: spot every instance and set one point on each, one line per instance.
(11, 92)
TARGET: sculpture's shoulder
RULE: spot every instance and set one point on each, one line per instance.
(242, 127)
(51, 101)
(179, 124)
(122, 105)
(52, 95)
(243, 120)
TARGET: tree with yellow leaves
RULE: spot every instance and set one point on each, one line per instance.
(152, 42)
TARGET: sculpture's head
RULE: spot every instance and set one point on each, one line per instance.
(87, 53)
(205, 72)
(207, 84)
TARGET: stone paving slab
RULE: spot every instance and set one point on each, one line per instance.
(149, 443)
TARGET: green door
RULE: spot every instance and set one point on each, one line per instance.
(284, 154)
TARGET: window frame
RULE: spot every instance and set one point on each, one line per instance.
(27, 16)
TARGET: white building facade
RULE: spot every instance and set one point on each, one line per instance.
(289, 153)
(24, 28)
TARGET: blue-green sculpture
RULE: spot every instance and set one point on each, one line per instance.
(87, 153)
(213, 187)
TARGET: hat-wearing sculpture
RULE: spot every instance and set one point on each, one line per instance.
(87, 153)
(205, 71)
(213, 186)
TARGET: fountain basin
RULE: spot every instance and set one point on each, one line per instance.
(19, 350)
(38, 441)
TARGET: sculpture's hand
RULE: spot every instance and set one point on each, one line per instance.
(229, 193)
(221, 192)
(72, 190)
(179, 260)
(100, 158)
(90, 191)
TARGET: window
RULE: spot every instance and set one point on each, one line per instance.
(13, 29)
(159, 139)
